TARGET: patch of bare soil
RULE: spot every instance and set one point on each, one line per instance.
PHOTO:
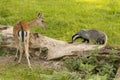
(35, 61)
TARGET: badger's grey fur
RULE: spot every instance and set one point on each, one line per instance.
(91, 34)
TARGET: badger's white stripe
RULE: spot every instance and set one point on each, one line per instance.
(75, 37)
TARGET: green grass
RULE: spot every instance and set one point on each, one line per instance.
(63, 19)
(21, 72)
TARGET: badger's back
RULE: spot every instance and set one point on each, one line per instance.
(93, 34)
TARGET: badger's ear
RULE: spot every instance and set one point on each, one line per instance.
(39, 15)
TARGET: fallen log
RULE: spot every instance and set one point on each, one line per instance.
(50, 48)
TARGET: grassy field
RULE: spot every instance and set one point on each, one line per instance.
(63, 19)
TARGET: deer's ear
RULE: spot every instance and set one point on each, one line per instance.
(39, 15)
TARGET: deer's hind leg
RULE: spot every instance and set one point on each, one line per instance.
(17, 49)
(27, 51)
(21, 52)
(27, 55)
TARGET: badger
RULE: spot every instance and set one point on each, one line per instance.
(90, 34)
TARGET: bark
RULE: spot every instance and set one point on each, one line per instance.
(46, 47)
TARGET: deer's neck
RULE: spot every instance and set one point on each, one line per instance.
(32, 23)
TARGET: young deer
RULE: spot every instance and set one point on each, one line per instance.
(21, 33)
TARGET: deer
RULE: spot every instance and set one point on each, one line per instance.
(21, 34)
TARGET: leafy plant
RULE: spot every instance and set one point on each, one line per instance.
(90, 65)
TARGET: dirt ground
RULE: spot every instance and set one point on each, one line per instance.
(56, 64)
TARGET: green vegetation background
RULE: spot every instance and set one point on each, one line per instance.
(63, 19)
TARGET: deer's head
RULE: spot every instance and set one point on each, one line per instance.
(40, 20)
